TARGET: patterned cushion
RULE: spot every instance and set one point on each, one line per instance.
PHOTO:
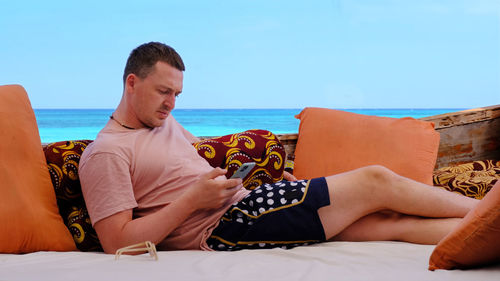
(472, 179)
(62, 160)
(259, 146)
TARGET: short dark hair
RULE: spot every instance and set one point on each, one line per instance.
(142, 59)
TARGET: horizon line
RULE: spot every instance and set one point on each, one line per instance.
(277, 108)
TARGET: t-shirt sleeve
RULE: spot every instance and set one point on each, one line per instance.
(106, 185)
(190, 137)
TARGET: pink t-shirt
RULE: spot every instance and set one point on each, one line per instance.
(145, 170)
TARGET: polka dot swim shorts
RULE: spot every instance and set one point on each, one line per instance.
(282, 214)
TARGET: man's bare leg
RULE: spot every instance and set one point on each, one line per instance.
(383, 226)
(368, 190)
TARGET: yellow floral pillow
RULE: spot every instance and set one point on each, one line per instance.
(472, 179)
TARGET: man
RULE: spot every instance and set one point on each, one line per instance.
(143, 180)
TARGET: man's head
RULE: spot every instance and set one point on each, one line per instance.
(143, 58)
(152, 81)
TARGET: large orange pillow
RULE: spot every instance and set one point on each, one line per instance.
(29, 216)
(334, 141)
(476, 240)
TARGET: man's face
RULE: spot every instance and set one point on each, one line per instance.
(154, 96)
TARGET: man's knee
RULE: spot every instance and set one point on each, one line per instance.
(370, 184)
(377, 176)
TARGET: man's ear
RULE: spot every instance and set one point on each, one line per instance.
(130, 82)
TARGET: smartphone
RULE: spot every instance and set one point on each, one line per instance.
(243, 170)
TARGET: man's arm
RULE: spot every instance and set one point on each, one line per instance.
(120, 230)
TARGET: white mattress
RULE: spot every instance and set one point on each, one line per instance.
(328, 261)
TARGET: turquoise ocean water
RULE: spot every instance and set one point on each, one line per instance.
(74, 124)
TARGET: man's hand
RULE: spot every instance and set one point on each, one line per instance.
(211, 193)
(121, 230)
(289, 177)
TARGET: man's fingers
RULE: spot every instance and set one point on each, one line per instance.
(289, 177)
(222, 183)
(214, 173)
(230, 183)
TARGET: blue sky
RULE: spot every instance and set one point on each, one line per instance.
(260, 54)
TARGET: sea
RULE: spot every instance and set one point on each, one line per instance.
(77, 124)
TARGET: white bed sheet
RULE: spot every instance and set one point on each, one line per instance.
(327, 261)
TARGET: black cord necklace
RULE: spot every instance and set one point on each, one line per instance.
(123, 125)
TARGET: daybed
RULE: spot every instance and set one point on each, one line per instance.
(36, 244)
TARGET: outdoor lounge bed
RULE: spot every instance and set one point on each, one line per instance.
(465, 137)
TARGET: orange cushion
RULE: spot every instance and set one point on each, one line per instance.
(333, 141)
(476, 240)
(28, 212)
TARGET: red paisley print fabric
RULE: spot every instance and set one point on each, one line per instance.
(62, 159)
(259, 146)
